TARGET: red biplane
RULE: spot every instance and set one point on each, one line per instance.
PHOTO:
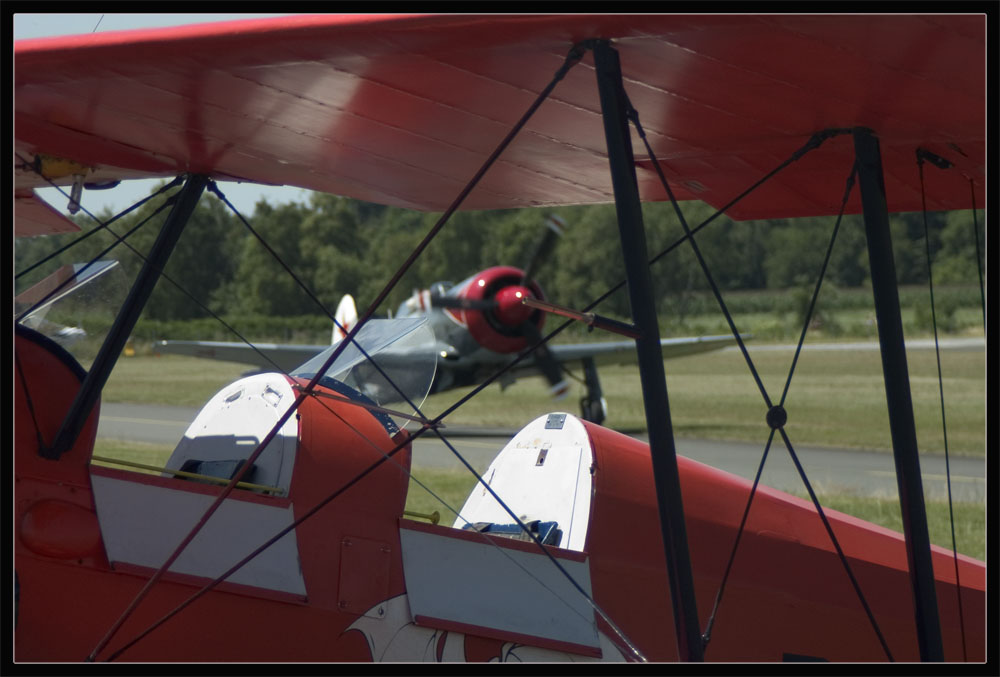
(276, 530)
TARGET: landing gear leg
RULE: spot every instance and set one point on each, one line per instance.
(593, 406)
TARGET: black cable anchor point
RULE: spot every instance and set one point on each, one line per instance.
(933, 158)
(776, 417)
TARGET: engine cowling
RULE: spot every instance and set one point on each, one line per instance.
(498, 327)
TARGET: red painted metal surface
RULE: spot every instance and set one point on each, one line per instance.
(34, 216)
(497, 334)
(403, 110)
(787, 593)
(69, 594)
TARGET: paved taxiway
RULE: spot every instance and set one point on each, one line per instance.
(829, 470)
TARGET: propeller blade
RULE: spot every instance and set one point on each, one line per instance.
(547, 364)
(555, 226)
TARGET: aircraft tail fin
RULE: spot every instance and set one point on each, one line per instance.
(345, 318)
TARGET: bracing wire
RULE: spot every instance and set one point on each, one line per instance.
(447, 443)
(119, 240)
(123, 240)
(574, 56)
(944, 425)
(432, 424)
(979, 256)
(776, 414)
(434, 230)
(101, 224)
(385, 456)
(760, 468)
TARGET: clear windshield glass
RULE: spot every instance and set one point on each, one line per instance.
(402, 349)
(75, 306)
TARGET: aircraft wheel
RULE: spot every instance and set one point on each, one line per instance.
(592, 410)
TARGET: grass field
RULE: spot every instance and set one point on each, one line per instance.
(836, 398)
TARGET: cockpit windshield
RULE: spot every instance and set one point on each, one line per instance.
(75, 306)
(400, 371)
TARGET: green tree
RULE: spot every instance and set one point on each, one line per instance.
(202, 262)
(332, 247)
(956, 260)
(588, 261)
(908, 248)
(849, 260)
(260, 284)
(795, 252)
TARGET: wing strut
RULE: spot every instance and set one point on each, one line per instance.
(897, 392)
(654, 385)
(99, 371)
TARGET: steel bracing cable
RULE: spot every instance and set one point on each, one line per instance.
(214, 188)
(123, 240)
(434, 425)
(811, 144)
(312, 295)
(119, 240)
(706, 636)
(104, 225)
(572, 58)
(386, 456)
(819, 281)
(798, 348)
(101, 225)
(427, 425)
(776, 416)
(944, 425)
(29, 402)
(814, 142)
(979, 256)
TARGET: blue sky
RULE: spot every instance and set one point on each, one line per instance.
(243, 196)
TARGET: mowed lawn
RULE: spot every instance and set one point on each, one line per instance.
(835, 398)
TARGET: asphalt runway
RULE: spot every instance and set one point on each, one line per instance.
(828, 470)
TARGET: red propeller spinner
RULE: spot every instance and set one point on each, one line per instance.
(493, 312)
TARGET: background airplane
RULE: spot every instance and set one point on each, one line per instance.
(479, 326)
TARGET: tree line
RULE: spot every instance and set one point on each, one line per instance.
(338, 245)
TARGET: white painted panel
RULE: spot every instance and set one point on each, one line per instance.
(483, 585)
(542, 474)
(394, 637)
(235, 420)
(142, 524)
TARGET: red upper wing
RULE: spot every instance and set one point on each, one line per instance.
(34, 216)
(403, 110)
